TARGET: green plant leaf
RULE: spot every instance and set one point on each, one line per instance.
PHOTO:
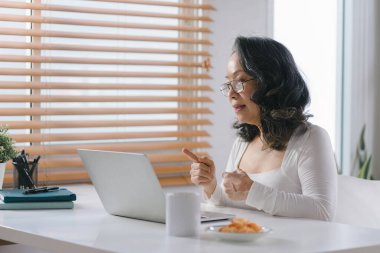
(362, 141)
(365, 169)
(362, 155)
(361, 150)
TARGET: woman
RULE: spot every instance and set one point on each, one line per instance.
(280, 163)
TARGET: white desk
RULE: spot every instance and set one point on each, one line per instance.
(88, 228)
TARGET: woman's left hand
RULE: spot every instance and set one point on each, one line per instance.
(236, 184)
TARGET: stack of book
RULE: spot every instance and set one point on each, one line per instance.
(59, 198)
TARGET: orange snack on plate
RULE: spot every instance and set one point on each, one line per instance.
(241, 225)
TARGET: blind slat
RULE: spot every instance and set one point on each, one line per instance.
(80, 98)
(171, 169)
(101, 123)
(104, 136)
(102, 86)
(74, 47)
(98, 111)
(94, 73)
(173, 181)
(77, 162)
(63, 8)
(78, 60)
(173, 157)
(84, 22)
(53, 177)
(123, 147)
(162, 3)
(99, 36)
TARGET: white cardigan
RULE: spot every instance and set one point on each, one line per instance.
(305, 186)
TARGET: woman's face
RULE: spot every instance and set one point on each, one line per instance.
(246, 110)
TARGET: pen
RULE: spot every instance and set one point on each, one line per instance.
(41, 189)
(24, 159)
(21, 177)
(34, 164)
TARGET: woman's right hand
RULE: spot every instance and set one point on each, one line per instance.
(202, 172)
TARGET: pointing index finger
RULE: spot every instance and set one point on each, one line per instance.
(190, 154)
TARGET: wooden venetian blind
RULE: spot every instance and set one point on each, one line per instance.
(117, 75)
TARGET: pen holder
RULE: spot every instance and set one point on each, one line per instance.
(20, 181)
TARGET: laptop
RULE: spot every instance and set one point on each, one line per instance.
(128, 186)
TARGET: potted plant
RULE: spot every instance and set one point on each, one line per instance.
(7, 151)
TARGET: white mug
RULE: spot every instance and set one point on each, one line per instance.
(183, 215)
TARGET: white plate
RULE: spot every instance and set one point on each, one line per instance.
(237, 237)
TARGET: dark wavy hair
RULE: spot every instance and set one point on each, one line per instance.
(281, 93)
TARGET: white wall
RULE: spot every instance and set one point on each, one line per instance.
(313, 44)
(232, 18)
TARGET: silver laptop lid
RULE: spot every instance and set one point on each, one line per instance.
(126, 184)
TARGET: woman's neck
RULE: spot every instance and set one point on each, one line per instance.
(265, 145)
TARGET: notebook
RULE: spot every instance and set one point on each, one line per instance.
(17, 196)
(127, 185)
(36, 205)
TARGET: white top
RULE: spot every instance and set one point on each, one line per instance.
(305, 186)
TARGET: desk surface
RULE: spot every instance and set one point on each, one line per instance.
(88, 228)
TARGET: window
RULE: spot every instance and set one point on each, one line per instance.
(309, 30)
(118, 75)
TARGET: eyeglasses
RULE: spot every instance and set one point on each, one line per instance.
(236, 85)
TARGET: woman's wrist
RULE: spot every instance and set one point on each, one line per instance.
(210, 188)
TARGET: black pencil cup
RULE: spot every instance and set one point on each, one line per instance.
(20, 181)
